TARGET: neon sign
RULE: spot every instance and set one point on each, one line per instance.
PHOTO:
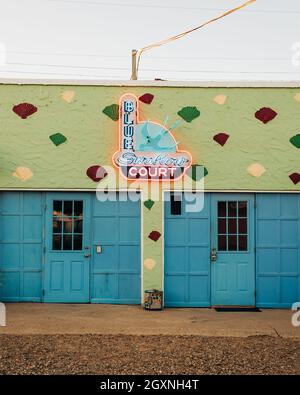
(147, 150)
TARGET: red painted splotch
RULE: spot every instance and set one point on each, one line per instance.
(221, 138)
(96, 173)
(147, 98)
(24, 110)
(154, 235)
(265, 114)
(295, 178)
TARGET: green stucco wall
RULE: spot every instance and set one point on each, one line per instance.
(29, 159)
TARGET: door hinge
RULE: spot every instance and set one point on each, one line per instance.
(43, 292)
(45, 207)
(44, 248)
(254, 248)
(254, 205)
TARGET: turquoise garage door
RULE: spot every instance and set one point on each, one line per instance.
(116, 253)
(21, 224)
(278, 250)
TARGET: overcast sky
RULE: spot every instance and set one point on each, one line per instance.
(82, 39)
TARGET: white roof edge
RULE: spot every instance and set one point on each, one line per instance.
(142, 83)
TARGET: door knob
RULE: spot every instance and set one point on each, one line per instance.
(86, 255)
(213, 254)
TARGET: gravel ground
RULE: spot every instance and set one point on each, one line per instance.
(120, 354)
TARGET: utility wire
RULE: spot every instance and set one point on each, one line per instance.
(67, 66)
(60, 74)
(155, 70)
(153, 57)
(66, 54)
(185, 33)
(162, 70)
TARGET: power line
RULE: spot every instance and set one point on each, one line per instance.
(153, 57)
(155, 70)
(228, 71)
(126, 69)
(67, 54)
(60, 74)
(166, 7)
(67, 66)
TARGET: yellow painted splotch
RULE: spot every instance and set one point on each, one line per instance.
(149, 263)
(220, 99)
(297, 97)
(67, 96)
(256, 170)
(22, 173)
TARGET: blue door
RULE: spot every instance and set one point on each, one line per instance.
(67, 244)
(116, 253)
(232, 250)
(187, 248)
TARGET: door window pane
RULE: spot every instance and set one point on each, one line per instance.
(77, 225)
(78, 207)
(232, 243)
(77, 242)
(175, 204)
(243, 243)
(242, 225)
(242, 209)
(221, 209)
(67, 225)
(56, 242)
(222, 243)
(68, 207)
(222, 225)
(56, 225)
(232, 226)
(232, 209)
(57, 207)
(67, 242)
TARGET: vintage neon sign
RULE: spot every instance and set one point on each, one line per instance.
(147, 150)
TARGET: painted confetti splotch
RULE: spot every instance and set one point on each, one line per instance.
(24, 110)
(96, 173)
(58, 138)
(112, 111)
(149, 204)
(154, 235)
(220, 99)
(149, 263)
(265, 114)
(295, 178)
(189, 113)
(256, 170)
(67, 96)
(295, 141)
(147, 98)
(22, 173)
(221, 138)
(196, 172)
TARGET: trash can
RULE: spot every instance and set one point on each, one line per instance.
(153, 299)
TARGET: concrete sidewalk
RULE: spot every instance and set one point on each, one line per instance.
(35, 318)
